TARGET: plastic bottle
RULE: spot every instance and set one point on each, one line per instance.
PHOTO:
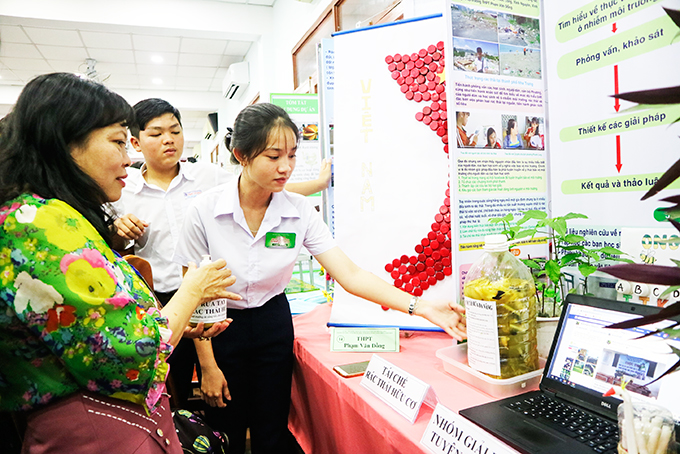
(211, 312)
(500, 305)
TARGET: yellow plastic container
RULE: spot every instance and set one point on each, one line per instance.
(500, 304)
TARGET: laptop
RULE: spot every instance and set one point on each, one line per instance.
(585, 361)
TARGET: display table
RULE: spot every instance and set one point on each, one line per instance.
(332, 414)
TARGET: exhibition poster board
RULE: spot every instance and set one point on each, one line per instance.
(391, 168)
(495, 86)
(326, 62)
(605, 154)
(303, 109)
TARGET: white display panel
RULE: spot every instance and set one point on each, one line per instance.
(391, 170)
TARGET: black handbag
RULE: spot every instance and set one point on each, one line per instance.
(196, 437)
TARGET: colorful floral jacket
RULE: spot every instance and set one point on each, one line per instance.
(73, 314)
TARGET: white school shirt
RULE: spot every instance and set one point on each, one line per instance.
(216, 225)
(165, 211)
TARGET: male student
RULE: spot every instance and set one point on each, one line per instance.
(154, 201)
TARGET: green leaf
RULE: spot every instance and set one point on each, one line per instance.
(677, 262)
(586, 270)
(576, 247)
(553, 270)
(507, 218)
(669, 290)
(532, 214)
(569, 216)
(559, 226)
(611, 251)
(571, 238)
(531, 264)
(675, 350)
(592, 254)
(568, 258)
(525, 233)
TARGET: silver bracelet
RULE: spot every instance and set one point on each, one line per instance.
(413, 304)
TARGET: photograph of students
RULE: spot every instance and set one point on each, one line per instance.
(491, 141)
(463, 139)
(511, 139)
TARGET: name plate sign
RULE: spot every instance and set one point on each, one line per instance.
(364, 339)
(396, 387)
(449, 433)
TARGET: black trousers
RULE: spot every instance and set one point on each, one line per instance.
(256, 356)
(181, 363)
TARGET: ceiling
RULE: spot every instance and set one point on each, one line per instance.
(126, 59)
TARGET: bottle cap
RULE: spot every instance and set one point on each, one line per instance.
(205, 260)
(496, 243)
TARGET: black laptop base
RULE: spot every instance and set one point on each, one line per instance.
(536, 423)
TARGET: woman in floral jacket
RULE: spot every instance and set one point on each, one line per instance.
(83, 346)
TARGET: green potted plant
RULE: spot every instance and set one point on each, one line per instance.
(565, 250)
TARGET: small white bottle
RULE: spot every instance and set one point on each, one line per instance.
(212, 311)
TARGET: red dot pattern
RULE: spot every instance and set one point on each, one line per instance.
(418, 77)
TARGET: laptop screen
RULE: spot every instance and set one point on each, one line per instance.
(591, 359)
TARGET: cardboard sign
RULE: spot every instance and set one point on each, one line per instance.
(364, 339)
(447, 432)
(396, 387)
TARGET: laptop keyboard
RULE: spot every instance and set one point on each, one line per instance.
(600, 434)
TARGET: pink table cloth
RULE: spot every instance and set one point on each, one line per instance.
(332, 414)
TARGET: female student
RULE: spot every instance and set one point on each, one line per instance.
(259, 228)
(83, 346)
(511, 139)
(491, 141)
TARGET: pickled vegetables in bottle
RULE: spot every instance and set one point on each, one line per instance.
(500, 306)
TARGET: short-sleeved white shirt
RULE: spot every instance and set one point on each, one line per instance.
(216, 225)
(165, 211)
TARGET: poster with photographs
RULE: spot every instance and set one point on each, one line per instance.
(495, 87)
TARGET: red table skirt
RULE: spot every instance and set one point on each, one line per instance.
(332, 414)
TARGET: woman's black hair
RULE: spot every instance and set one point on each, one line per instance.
(511, 124)
(488, 136)
(55, 112)
(252, 127)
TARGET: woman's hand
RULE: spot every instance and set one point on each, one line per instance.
(210, 282)
(449, 316)
(199, 331)
(214, 388)
(130, 227)
(324, 178)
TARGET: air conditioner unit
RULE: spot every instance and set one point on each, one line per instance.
(236, 81)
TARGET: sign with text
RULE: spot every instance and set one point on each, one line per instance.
(396, 387)
(447, 432)
(303, 109)
(364, 339)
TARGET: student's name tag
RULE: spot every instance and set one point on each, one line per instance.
(396, 387)
(449, 432)
(279, 240)
(364, 339)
